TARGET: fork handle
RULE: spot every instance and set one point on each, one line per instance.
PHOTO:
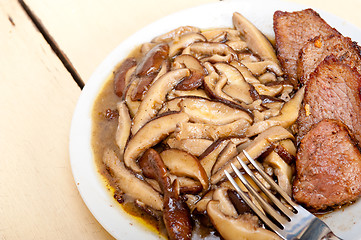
(330, 236)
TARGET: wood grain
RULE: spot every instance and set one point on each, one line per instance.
(88, 30)
(38, 197)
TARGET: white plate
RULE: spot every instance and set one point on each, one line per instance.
(346, 223)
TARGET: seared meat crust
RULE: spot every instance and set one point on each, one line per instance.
(315, 51)
(292, 32)
(328, 167)
(332, 92)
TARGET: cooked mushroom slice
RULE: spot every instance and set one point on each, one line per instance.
(155, 97)
(212, 111)
(239, 204)
(153, 167)
(146, 47)
(258, 68)
(196, 68)
(225, 205)
(132, 105)
(229, 152)
(176, 215)
(183, 41)
(119, 76)
(171, 105)
(209, 157)
(282, 170)
(123, 129)
(188, 185)
(183, 164)
(171, 35)
(287, 117)
(149, 135)
(236, 86)
(272, 90)
(246, 226)
(258, 146)
(222, 37)
(256, 41)
(188, 61)
(144, 82)
(201, 205)
(246, 73)
(153, 60)
(267, 77)
(237, 45)
(130, 184)
(231, 34)
(212, 131)
(191, 201)
(182, 93)
(271, 102)
(213, 84)
(218, 52)
(194, 146)
(286, 149)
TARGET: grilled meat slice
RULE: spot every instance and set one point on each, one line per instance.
(333, 92)
(292, 32)
(328, 167)
(315, 51)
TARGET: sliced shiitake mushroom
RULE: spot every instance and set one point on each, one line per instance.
(194, 146)
(212, 34)
(171, 35)
(211, 51)
(237, 45)
(246, 73)
(282, 170)
(287, 117)
(255, 39)
(153, 167)
(195, 80)
(246, 226)
(187, 185)
(152, 61)
(123, 129)
(130, 184)
(183, 41)
(209, 157)
(183, 164)
(182, 93)
(212, 131)
(286, 149)
(156, 95)
(211, 111)
(213, 84)
(258, 146)
(258, 68)
(149, 135)
(144, 82)
(236, 86)
(228, 153)
(225, 204)
(133, 105)
(119, 76)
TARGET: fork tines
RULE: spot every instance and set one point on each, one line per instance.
(286, 212)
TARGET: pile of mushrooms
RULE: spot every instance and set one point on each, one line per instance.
(191, 102)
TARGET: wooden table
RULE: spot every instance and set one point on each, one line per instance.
(38, 93)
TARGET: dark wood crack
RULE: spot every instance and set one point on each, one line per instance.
(53, 44)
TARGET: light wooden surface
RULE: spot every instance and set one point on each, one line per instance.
(38, 197)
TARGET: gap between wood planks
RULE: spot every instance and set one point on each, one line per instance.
(53, 44)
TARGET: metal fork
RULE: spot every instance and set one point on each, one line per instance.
(289, 222)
